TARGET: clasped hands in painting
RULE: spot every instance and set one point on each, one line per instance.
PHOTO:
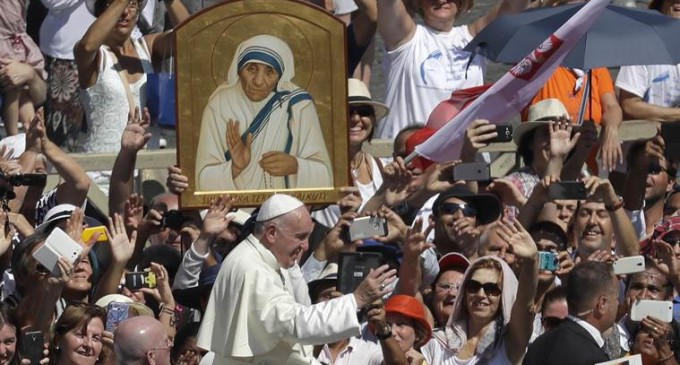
(275, 163)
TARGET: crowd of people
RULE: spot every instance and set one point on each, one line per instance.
(518, 269)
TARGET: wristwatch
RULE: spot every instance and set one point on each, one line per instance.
(384, 333)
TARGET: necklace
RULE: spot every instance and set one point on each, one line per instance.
(355, 166)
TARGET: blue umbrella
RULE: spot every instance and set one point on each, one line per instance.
(621, 36)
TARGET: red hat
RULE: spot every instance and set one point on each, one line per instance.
(667, 226)
(415, 139)
(452, 261)
(410, 307)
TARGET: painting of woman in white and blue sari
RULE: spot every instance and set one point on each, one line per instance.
(259, 130)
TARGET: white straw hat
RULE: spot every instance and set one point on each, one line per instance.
(540, 114)
(358, 94)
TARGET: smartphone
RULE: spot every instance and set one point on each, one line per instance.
(548, 261)
(116, 312)
(568, 190)
(367, 227)
(142, 279)
(472, 171)
(659, 309)
(28, 179)
(90, 231)
(629, 265)
(353, 267)
(32, 346)
(504, 134)
(58, 244)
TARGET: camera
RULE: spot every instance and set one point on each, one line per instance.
(172, 219)
(8, 182)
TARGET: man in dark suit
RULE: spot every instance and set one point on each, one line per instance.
(592, 297)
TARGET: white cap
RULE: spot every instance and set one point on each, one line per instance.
(277, 205)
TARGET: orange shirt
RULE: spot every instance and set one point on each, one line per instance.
(561, 86)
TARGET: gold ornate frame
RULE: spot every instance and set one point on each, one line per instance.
(205, 45)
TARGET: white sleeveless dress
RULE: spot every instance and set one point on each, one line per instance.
(106, 107)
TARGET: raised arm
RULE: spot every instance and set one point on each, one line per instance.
(395, 24)
(87, 50)
(410, 271)
(162, 44)
(76, 183)
(366, 21)
(520, 326)
(134, 138)
(626, 238)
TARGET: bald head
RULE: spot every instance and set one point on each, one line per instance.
(141, 340)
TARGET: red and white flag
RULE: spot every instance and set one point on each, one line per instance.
(515, 89)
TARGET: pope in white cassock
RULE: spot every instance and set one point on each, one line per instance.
(259, 130)
(259, 310)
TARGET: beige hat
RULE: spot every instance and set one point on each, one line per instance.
(277, 205)
(111, 298)
(358, 94)
(540, 114)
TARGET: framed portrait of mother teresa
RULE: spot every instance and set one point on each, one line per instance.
(261, 103)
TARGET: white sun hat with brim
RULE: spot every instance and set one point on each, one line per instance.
(540, 114)
(358, 94)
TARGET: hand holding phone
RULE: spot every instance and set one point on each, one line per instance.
(548, 261)
(141, 279)
(32, 345)
(116, 312)
(89, 232)
(659, 309)
(629, 265)
(353, 267)
(472, 171)
(367, 227)
(568, 190)
(58, 244)
(504, 132)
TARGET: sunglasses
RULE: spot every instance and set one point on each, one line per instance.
(452, 208)
(655, 169)
(473, 286)
(362, 110)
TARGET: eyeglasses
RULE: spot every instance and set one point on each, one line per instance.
(362, 110)
(452, 208)
(655, 169)
(447, 287)
(132, 5)
(473, 286)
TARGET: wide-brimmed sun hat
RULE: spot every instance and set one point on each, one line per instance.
(358, 94)
(540, 114)
(487, 205)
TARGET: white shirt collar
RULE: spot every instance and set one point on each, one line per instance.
(590, 328)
